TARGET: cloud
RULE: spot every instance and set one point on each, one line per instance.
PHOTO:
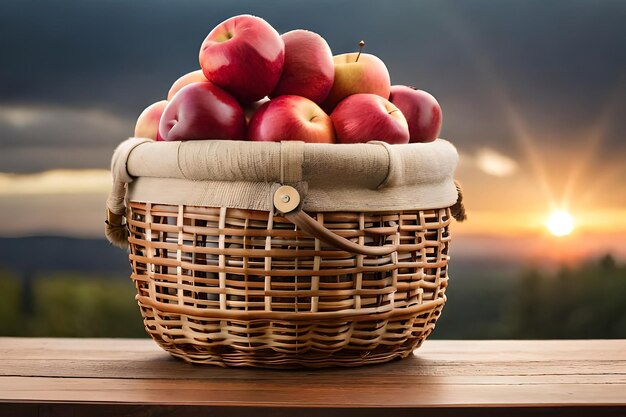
(18, 117)
(83, 64)
(46, 125)
(21, 116)
(487, 161)
(88, 181)
(58, 214)
(42, 137)
(494, 163)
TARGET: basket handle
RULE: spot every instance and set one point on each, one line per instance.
(287, 201)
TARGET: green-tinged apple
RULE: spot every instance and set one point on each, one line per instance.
(244, 55)
(191, 77)
(365, 117)
(148, 121)
(357, 73)
(309, 70)
(291, 118)
(202, 111)
(422, 112)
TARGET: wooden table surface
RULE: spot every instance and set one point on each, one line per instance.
(122, 377)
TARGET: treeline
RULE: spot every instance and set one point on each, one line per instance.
(586, 302)
(69, 305)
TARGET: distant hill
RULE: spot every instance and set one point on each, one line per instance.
(45, 253)
(61, 253)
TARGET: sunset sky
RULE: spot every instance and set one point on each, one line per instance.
(533, 95)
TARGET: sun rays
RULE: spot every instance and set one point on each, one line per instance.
(569, 181)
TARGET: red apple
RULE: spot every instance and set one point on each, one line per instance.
(422, 112)
(365, 117)
(191, 77)
(309, 70)
(368, 74)
(245, 56)
(291, 118)
(148, 121)
(202, 111)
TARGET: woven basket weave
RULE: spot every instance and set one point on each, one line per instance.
(238, 287)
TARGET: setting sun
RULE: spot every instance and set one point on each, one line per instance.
(560, 223)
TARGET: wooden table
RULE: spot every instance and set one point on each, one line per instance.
(98, 377)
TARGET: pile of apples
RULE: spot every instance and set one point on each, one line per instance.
(257, 85)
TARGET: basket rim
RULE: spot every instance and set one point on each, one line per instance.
(373, 176)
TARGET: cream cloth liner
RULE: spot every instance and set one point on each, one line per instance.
(362, 177)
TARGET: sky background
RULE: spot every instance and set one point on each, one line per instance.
(533, 96)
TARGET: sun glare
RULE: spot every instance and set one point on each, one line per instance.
(560, 223)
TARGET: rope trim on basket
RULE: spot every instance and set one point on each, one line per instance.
(458, 209)
(115, 229)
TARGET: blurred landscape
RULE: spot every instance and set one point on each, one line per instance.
(59, 286)
(533, 95)
(68, 287)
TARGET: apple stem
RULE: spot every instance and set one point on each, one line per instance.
(361, 45)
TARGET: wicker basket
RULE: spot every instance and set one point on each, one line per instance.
(285, 288)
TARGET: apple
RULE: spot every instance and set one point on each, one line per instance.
(365, 117)
(245, 56)
(202, 111)
(357, 73)
(191, 77)
(291, 118)
(422, 112)
(309, 70)
(148, 121)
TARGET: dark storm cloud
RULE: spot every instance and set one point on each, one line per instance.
(557, 63)
(37, 138)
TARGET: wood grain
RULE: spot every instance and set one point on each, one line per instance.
(442, 377)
